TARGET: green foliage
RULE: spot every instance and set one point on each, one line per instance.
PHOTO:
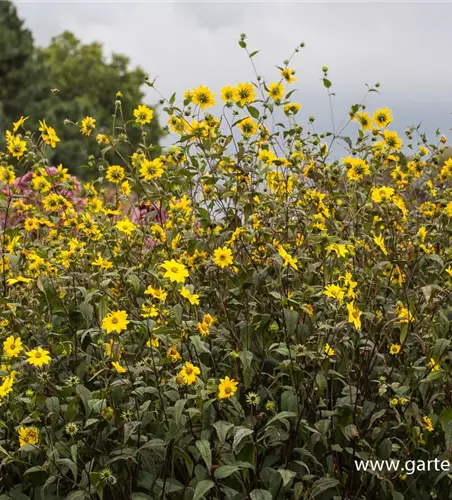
(16, 51)
(67, 80)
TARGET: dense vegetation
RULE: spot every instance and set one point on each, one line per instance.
(243, 318)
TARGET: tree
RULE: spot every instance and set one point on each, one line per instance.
(66, 80)
(86, 85)
(16, 51)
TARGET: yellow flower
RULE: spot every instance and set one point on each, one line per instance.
(357, 168)
(153, 342)
(101, 262)
(143, 114)
(12, 347)
(115, 321)
(434, 365)
(125, 188)
(227, 388)
(88, 125)
(403, 314)
(191, 297)
(292, 108)
(189, 373)
(392, 140)
(48, 134)
(288, 75)
(125, 226)
(102, 139)
(380, 242)
(449, 271)
(173, 353)
(16, 146)
(354, 315)
(208, 319)
(151, 169)
(227, 94)
(113, 349)
(334, 292)
(383, 194)
(276, 91)
(203, 328)
(7, 385)
(329, 351)
(19, 123)
(149, 311)
(395, 349)
(38, 357)
(222, 257)
(394, 402)
(288, 260)
(203, 97)
(364, 120)
(28, 435)
(175, 271)
(118, 367)
(382, 117)
(428, 209)
(247, 126)
(18, 279)
(156, 293)
(267, 157)
(338, 249)
(244, 94)
(428, 424)
(115, 174)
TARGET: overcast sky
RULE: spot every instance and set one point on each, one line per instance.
(404, 46)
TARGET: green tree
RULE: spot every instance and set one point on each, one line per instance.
(67, 80)
(16, 52)
(76, 81)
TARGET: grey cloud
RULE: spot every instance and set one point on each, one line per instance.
(404, 46)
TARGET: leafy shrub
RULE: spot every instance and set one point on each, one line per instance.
(246, 316)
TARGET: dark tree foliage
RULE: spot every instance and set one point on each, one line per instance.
(67, 80)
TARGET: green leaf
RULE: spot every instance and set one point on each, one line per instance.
(225, 471)
(287, 475)
(253, 112)
(222, 427)
(85, 396)
(202, 488)
(439, 348)
(254, 53)
(239, 435)
(326, 83)
(178, 410)
(70, 464)
(77, 495)
(261, 495)
(445, 419)
(282, 415)
(177, 309)
(291, 319)
(326, 483)
(103, 308)
(204, 448)
(129, 428)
